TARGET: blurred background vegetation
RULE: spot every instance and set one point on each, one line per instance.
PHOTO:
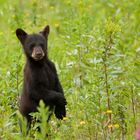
(95, 45)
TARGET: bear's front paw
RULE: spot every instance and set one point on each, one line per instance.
(60, 112)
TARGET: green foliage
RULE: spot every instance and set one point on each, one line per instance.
(95, 46)
(41, 115)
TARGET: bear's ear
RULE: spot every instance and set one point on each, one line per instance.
(21, 35)
(45, 31)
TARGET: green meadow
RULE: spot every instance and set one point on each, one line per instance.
(95, 45)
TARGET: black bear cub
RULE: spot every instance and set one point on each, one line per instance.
(40, 76)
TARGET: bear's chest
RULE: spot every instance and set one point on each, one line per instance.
(44, 78)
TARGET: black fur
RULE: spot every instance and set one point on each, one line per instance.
(40, 77)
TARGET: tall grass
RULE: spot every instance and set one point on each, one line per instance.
(95, 46)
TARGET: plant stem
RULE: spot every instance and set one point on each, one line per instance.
(107, 49)
(133, 106)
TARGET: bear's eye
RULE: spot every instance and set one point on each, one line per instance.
(32, 45)
(41, 44)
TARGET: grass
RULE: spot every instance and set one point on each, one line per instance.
(95, 46)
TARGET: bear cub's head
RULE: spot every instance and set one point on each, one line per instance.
(34, 45)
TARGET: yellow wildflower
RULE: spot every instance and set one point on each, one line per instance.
(110, 126)
(109, 111)
(82, 122)
(65, 118)
(116, 125)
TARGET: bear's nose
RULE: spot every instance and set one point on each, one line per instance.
(38, 53)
